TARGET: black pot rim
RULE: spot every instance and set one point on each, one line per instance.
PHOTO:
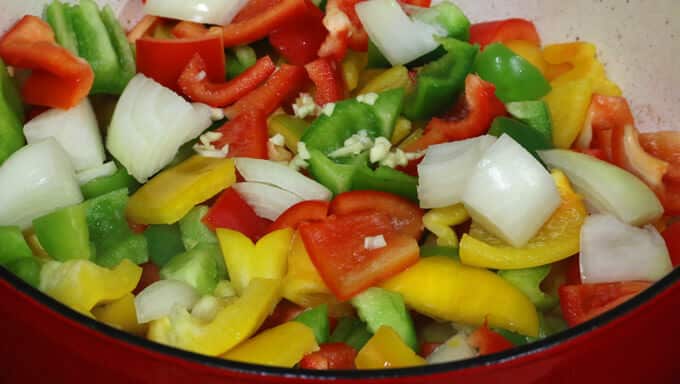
(261, 370)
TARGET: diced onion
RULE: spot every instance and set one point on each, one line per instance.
(281, 176)
(615, 251)
(106, 169)
(75, 129)
(454, 349)
(36, 180)
(608, 188)
(219, 12)
(158, 299)
(446, 168)
(267, 201)
(510, 193)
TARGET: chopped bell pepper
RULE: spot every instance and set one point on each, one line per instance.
(352, 65)
(568, 104)
(121, 314)
(379, 307)
(230, 211)
(327, 77)
(246, 261)
(385, 179)
(246, 135)
(402, 128)
(456, 292)
(197, 268)
(193, 230)
(164, 242)
(535, 114)
(299, 40)
(64, 233)
(330, 356)
(291, 128)
(171, 194)
(502, 31)
(386, 350)
(531, 139)
(514, 77)
(11, 116)
(337, 177)
(528, 281)
(437, 250)
(27, 269)
(14, 246)
(582, 302)
(393, 78)
(347, 33)
(530, 52)
(296, 340)
(440, 220)
(447, 17)
(351, 331)
(105, 184)
(317, 320)
(556, 240)
(259, 18)
(488, 341)
(232, 325)
(81, 284)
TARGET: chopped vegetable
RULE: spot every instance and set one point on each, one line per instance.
(386, 350)
(281, 176)
(160, 298)
(196, 267)
(317, 320)
(11, 116)
(219, 12)
(64, 233)
(378, 307)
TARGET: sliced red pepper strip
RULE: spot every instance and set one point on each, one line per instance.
(260, 17)
(246, 135)
(309, 210)
(330, 87)
(299, 41)
(345, 29)
(488, 341)
(671, 236)
(330, 356)
(59, 79)
(285, 311)
(418, 3)
(471, 119)
(283, 84)
(664, 145)
(164, 60)
(583, 302)
(232, 212)
(504, 30)
(197, 87)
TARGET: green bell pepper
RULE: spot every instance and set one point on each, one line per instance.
(11, 116)
(27, 269)
(531, 139)
(528, 281)
(549, 325)
(439, 82)
(14, 246)
(239, 59)
(105, 184)
(436, 250)
(534, 113)
(193, 230)
(385, 179)
(317, 319)
(352, 332)
(514, 77)
(336, 176)
(388, 107)
(378, 307)
(56, 16)
(447, 17)
(164, 242)
(375, 57)
(64, 234)
(196, 267)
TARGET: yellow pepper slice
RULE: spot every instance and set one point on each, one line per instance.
(402, 128)
(386, 350)
(556, 240)
(352, 65)
(171, 194)
(232, 325)
(82, 284)
(395, 77)
(440, 220)
(568, 104)
(121, 314)
(281, 346)
(291, 128)
(246, 261)
(443, 288)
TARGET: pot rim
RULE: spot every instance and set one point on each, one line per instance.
(510, 355)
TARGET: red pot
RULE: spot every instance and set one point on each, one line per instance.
(44, 341)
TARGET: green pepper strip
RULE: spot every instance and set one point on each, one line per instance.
(316, 319)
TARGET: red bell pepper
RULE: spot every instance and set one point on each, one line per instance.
(664, 145)
(59, 79)
(345, 29)
(232, 212)
(469, 119)
(408, 217)
(330, 86)
(309, 210)
(284, 312)
(330, 356)
(260, 17)
(196, 86)
(299, 40)
(583, 302)
(336, 248)
(246, 135)
(282, 85)
(427, 348)
(150, 274)
(418, 3)
(143, 28)
(488, 341)
(504, 30)
(164, 60)
(671, 236)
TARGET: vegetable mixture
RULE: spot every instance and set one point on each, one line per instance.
(372, 184)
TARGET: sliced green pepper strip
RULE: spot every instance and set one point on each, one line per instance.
(514, 77)
(436, 250)
(164, 242)
(447, 17)
(64, 233)
(388, 107)
(124, 52)
(534, 113)
(57, 18)
(352, 332)
(14, 246)
(105, 184)
(378, 307)
(440, 81)
(11, 116)
(196, 267)
(548, 325)
(528, 281)
(27, 270)
(316, 319)
(337, 177)
(385, 179)
(526, 136)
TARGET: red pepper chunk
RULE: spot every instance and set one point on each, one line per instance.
(664, 145)
(259, 18)
(59, 79)
(488, 341)
(196, 86)
(336, 248)
(230, 211)
(246, 135)
(309, 210)
(583, 302)
(504, 30)
(283, 84)
(671, 236)
(345, 29)
(472, 119)
(299, 40)
(330, 356)
(330, 87)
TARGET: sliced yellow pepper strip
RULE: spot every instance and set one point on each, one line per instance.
(171, 194)
(443, 288)
(440, 220)
(386, 350)
(232, 325)
(395, 77)
(568, 104)
(121, 314)
(246, 261)
(281, 346)
(82, 284)
(402, 128)
(556, 240)
(352, 65)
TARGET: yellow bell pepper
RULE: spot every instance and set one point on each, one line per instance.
(232, 325)
(121, 314)
(568, 104)
(530, 52)
(171, 194)
(440, 220)
(352, 65)
(386, 350)
(395, 77)
(246, 261)
(556, 240)
(402, 128)
(281, 346)
(416, 133)
(82, 284)
(291, 128)
(443, 288)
